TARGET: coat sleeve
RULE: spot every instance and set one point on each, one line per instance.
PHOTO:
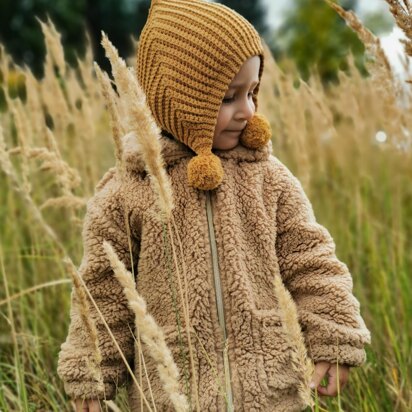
(104, 220)
(319, 283)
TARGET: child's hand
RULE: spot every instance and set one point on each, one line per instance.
(331, 369)
(87, 405)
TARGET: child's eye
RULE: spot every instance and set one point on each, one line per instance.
(231, 99)
(228, 100)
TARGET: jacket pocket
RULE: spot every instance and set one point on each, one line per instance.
(276, 350)
(178, 346)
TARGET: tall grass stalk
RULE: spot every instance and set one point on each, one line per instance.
(290, 324)
(81, 284)
(152, 334)
(402, 12)
(140, 122)
(21, 388)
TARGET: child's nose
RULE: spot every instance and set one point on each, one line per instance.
(245, 110)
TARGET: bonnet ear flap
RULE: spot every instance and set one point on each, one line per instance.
(205, 171)
(257, 132)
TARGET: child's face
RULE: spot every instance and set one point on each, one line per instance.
(237, 107)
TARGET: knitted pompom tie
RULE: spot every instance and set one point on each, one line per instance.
(257, 132)
(205, 171)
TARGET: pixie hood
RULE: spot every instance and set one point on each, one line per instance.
(188, 53)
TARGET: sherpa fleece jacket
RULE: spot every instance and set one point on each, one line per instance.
(264, 226)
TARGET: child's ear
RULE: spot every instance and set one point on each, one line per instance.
(257, 132)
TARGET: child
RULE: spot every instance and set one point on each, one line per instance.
(243, 219)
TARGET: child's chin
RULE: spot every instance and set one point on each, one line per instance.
(229, 142)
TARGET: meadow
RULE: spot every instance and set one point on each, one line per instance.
(349, 143)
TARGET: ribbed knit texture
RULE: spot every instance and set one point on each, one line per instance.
(188, 53)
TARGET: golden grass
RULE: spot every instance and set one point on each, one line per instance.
(55, 145)
(402, 12)
(152, 334)
(89, 325)
(300, 360)
(82, 291)
(139, 121)
(131, 102)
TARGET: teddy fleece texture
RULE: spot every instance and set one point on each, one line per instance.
(264, 227)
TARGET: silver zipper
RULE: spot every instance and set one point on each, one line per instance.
(219, 299)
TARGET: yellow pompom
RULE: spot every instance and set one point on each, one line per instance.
(205, 171)
(257, 132)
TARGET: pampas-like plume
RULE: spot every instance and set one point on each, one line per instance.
(291, 326)
(83, 285)
(90, 327)
(139, 120)
(51, 161)
(112, 105)
(69, 202)
(22, 134)
(152, 335)
(372, 43)
(402, 12)
(5, 162)
(11, 173)
(53, 44)
(66, 176)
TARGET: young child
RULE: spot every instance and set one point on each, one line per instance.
(243, 219)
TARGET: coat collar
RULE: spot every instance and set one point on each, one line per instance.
(174, 151)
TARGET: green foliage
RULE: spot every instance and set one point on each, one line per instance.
(119, 19)
(21, 33)
(314, 36)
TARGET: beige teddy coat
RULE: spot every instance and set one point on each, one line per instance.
(264, 226)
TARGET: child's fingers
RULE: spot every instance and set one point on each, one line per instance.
(94, 406)
(81, 405)
(320, 370)
(87, 405)
(335, 374)
(331, 389)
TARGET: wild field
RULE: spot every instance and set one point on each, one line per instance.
(349, 143)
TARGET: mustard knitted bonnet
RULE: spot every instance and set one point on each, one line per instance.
(188, 53)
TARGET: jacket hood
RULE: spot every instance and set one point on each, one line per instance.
(173, 151)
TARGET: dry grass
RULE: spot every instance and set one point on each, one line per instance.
(402, 12)
(139, 121)
(290, 323)
(152, 334)
(131, 102)
(91, 332)
(82, 291)
(350, 145)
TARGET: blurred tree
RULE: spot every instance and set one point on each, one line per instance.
(21, 33)
(313, 35)
(252, 10)
(119, 19)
